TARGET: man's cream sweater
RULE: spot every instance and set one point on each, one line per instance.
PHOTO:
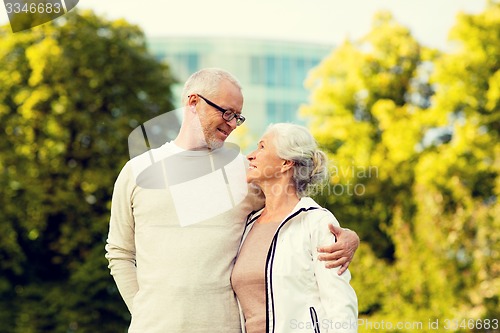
(177, 219)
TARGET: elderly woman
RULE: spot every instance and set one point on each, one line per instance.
(280, 284)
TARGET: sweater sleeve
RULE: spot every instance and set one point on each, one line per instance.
(120, 247)
(337, 296)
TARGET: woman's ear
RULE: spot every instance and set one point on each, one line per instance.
(287, 165)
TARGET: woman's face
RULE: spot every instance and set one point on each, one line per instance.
(265, 165)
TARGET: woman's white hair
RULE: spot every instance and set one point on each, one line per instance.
(207, 82)
(295, 143)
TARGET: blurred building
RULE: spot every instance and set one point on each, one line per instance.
(272, 73)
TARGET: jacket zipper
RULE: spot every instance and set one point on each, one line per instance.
(314, 319)
(268, 274)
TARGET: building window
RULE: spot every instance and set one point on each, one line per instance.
(257, 70)
(192, 62)
(281, 112)
(272, 112)
(271, 71)
(280, 71)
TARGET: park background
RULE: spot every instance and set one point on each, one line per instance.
(411, 129)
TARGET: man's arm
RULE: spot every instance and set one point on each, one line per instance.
(120, 247)
(342, 251)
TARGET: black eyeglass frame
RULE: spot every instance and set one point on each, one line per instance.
(227, 115)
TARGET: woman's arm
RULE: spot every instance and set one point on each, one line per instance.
(337, 296)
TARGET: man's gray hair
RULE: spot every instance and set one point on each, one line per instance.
(206, 82)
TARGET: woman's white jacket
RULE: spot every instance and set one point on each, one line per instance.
(303, 295)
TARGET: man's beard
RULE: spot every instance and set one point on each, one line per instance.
(212, 141)
(215, 145)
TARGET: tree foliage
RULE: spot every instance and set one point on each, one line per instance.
(427, 125)
(70, 93)
(413, 133)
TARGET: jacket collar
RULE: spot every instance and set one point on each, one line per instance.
(304, 204)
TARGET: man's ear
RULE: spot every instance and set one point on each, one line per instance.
(191, 102)
(287, 165)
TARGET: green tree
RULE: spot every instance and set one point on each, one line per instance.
(71, 91)
(467, 179)
(361, 99)
(417, 132)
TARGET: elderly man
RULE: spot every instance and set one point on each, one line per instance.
(178, 214)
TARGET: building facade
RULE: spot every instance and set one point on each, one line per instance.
(272, 73)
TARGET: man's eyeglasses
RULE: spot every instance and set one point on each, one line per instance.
(227, 115)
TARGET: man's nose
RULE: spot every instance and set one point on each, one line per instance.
(232, 123)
